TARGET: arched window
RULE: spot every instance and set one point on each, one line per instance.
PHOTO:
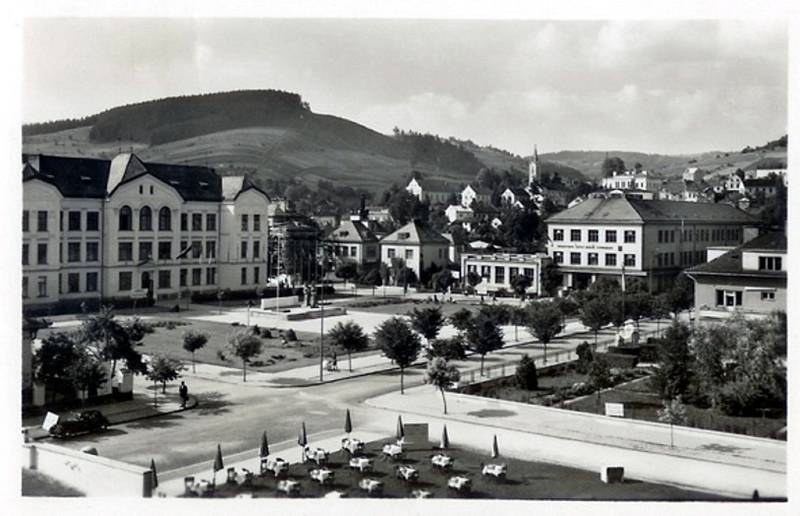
(125, 219)
(164, 219)
(145, 219)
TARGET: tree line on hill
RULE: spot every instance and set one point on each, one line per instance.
(780, 143)
(439, 152)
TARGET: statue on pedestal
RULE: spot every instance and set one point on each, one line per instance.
(307, 295)
(313, 298)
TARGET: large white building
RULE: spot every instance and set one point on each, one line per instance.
(121, 229)
(498, 269)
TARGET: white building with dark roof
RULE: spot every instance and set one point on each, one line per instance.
(418, 244)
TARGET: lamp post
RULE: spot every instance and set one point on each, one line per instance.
(249, 306)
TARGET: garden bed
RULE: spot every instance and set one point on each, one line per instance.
(525, 480)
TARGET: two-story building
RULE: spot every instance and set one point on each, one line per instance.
(352, 240)
(750, 278)
(434, 191)
(633, 180)
(418, 244)
(472, 193)
(651, 240)
(498, 269)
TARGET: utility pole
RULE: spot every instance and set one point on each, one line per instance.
(322, 314)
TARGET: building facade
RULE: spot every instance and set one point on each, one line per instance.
(125, 229)
(352, 240)
(650, 240)
(498, 269)
(418, 245)
(432, 190)
(750, 278)
(472, 193)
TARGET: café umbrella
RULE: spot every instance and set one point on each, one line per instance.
(302, 441)
(218, 464)
(495, 449)
(348, 424)
(400, 432)
(264, 450)
(154, 477)
(445, 444)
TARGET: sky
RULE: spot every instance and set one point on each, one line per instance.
(666, 86)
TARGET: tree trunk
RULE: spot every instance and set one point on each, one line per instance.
(163, 387)
(244, 370)
(482, 357)
(444, 401)
(113, 370)
(194, 371)
(350, 360)
(401, 381)
(516, 336)
(595, 339)
(544, 360)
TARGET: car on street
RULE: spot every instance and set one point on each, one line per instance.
(316, 455)
(407, 473)
(494, 470)
(460, 483)
(352, 445)
(289, 487)
(276, 465)
(79, 423)
(361, 463)
(371, 486)
(442, 461)
(321, 475)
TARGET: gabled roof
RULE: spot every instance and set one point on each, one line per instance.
(83, 178)
(349, 231)
(415, 233)
(437, 185)
(193, 183)
(518, 191)
(480, 190)
(730, 263)
(623, 209)
(233, 186)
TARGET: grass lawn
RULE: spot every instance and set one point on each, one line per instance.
(38, 484)
(274, 356)
(398, 306)
(641, 402)
(525, 480)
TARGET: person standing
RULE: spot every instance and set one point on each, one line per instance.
(183, 391)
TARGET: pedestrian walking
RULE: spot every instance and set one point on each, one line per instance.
(183, 391)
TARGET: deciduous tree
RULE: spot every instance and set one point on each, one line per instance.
(244, 345)
(192, 341)
(163, 369)
(441, 375)
(484, 336)
(399, 343)
(427, 322)
(350, 336)
(544, 322)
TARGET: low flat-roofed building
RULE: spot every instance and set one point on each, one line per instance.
(497, 269)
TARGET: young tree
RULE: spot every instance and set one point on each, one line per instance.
(347, 270)
(442, 280)
(473, 279)
(520, 284)
(544, 322)
(244, 345)
(659, 309)
(385, 273)
(86, 373)
(594, 315)
(674, 413)
(599, 373)
(461, 320)
(349, 336)
(585, 357)
(440, 374)
(551, 277)
(112, 341)
(163, 369)
(638, 305)
(674, 374)
(611, 165)
(484, 336)
(526, 376)
(427, 322)
(449, 349)
(498, 313)
(52, 360)
(399, 343)
(373, 278)
(192, 341)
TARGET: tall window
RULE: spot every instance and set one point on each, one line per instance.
(164, 279)
(125, 251)
(184, 222)
(211, 276)
(196, 277)
(197, 222)
(73, 252)
(558, 257)
(611, 260)
(25, 221)
(211, 222)
(592, 259)
(74, 221)
(165, 250)
(575, 235)
(630, 260)
(256, 222)
(575, 258)
(243, 250)
(145, 251)
(244, 276)
(211, 249)
(558, 234)
(41, 254)
(256, 275)
(499, 275)
(630, 237)
(91, 282)
(594, 235)
(24, 286)
(197, 249)
(92, 251)
(73, 282)
(41, 221)
(24, 254)
(125, 280)
(42, 286)
(165, 219)
(184, 274)
(256, 249)
(125, 219)
(245, 222)
(611, 235)
(92, 221)
(145, 219)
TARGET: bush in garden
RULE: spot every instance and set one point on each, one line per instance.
(599, 373)
(526, 376)
(585, 357)
(290, 335)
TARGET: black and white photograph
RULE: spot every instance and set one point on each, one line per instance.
(518, 257)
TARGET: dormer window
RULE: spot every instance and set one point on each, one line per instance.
(343, 233)
(403, 236)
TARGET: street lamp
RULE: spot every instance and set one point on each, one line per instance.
(249, 306)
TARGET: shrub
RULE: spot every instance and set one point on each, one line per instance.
(265, 333)
(599, 373)
(619, 360)
(221, 355)
(526, 376)
(290, 335)
(256, 330)
(585, 357)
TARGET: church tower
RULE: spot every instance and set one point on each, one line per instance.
(533, 168)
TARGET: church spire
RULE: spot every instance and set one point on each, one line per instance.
(533, 167)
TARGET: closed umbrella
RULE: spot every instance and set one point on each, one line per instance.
(264, 451)
(302, 441)
(445, 444)
(495, 449)
(218, 464)
(154, 481)
(400, 432)
(348, 424)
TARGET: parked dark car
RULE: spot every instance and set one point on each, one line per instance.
(79, 423)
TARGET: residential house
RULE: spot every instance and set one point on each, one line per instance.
(418, 245)
(434, 191)
(472, 193)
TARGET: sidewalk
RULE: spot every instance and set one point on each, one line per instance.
(718, 462)
(140, 407)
